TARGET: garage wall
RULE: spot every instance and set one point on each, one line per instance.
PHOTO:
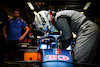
(6, 9)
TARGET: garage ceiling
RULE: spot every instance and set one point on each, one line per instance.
(62, 4)
(55, 5)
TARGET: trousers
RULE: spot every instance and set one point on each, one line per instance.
(86, 42)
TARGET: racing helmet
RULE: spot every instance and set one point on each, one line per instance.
(44, 21)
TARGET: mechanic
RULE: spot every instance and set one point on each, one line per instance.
(12, 34)
(69, 21)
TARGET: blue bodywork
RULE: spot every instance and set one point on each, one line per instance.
(52, 56)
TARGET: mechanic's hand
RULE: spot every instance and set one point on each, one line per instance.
(21, 38)
(5, 36)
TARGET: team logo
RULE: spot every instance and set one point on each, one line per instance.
(18, 21)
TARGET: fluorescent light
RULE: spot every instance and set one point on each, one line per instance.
(35, 12)
(10, 16)
(30, 5)
(0, 22)
(82, 12)
(87, 5)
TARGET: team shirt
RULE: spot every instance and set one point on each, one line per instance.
(14, 28)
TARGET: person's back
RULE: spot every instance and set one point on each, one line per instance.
(76, 18)
(87, 32)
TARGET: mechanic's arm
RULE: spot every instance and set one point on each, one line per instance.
(27, 30)
(4, 31)
(63, 25)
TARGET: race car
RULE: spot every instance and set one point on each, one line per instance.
(52, 54)
(49, 53)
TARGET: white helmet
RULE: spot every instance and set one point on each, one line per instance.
(43, 21)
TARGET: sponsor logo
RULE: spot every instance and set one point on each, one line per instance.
(59, 57)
